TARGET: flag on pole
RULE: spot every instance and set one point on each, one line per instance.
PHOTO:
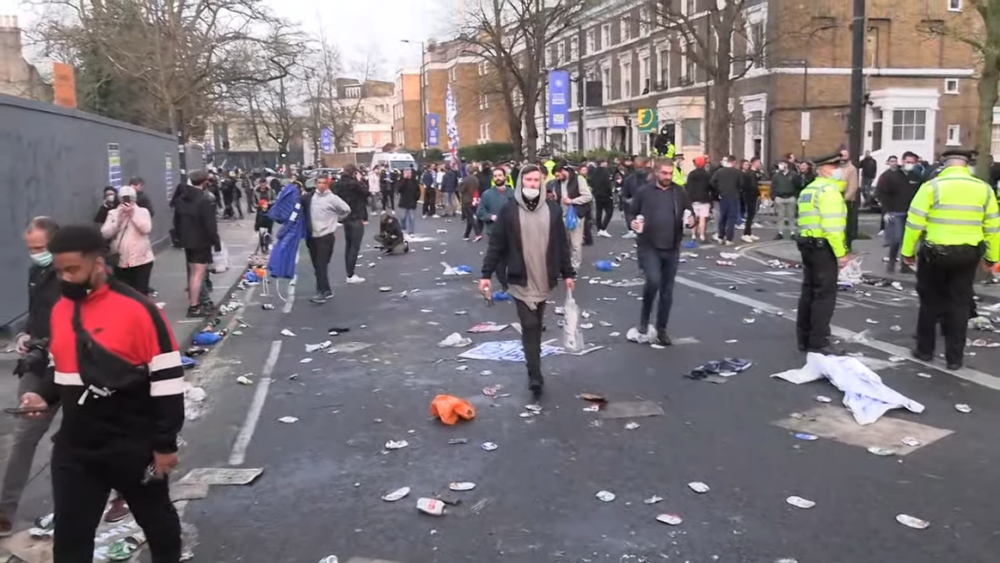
(451, 116)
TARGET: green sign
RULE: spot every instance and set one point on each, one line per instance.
(647, 120)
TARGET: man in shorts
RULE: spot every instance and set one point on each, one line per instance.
(198, 232)
(700, 192)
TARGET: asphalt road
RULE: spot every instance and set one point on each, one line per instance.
(535, 495)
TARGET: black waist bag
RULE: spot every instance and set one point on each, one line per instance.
(952, 256)
(101, 371)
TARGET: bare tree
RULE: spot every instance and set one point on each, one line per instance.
(511, 36)
(711, 38)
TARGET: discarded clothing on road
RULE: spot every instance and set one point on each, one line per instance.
(727, 367)
(864, 393)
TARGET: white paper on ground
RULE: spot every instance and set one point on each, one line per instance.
(865, 395)
(572, 335)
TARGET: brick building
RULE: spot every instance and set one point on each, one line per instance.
(406, 113)
(920, 86)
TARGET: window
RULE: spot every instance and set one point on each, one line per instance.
(482, 102)
(756, 49)
(643, 21)
(626, 79)
(453, 74)
(484, 132)
(605, 36)
(355, 91)
(663, 63)
(995, 141)
(548, 57)
(955, 5)
(688, 7)
(691, 132)
(481, 68)
(951, 86)
(606, 83)
(688, 63)
(591, 41)
(560, 53)
(644, 68)
(876, 130)
(574, 49)
(626, 28)
(954, 135)
(572, 142)
(909, 125)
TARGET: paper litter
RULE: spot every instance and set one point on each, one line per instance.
(455, 340)
(320, 346)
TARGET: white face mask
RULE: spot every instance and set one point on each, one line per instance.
(531, 193)
(837, 175)
(908, 167)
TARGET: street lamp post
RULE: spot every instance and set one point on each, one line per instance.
(423, 96)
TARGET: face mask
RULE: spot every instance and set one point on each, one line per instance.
(530, 193)
(74, 291)
(42, 258)
(837, 175)
(110, 198)
(908, 167)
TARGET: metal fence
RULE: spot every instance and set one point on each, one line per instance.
(56, 162)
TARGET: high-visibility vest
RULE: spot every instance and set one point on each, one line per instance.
(679, 177)
(823, 213)
(955, 208)
(549, 165)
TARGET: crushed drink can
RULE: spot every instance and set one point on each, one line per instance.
(605, 496)
(431, 506)
(489, 446)
(910, 441)
(698, 487)
(912, 522)
(670, 519)
(462, 486)
(641, 220)
(799, 502)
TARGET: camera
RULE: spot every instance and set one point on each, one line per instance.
(35, 360)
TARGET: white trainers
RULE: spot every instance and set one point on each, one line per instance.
(740, 226)
(746, 238)
(355, 279)
(755, 238)
(717, 238)
(630, 234)
(604, 234)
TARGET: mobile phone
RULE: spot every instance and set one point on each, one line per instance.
(19, 411)
(127, 199)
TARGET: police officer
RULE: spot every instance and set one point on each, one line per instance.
(679, 177)
(822, 222)
(956, 215)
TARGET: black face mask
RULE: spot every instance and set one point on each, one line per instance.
(76, 291)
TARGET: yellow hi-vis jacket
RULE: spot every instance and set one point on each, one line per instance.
(955, 208)
(549, 165)
(823, 213)
(679, 177)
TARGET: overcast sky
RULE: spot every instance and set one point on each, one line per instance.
(357, 27)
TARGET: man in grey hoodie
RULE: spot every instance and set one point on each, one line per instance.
(530, 241)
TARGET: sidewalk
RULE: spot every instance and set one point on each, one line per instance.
(870, 251)
(170, 281)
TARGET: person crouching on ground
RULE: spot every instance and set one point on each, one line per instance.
(390, 235)
(530, 241)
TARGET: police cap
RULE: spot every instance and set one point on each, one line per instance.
(828, 159)
(967, 155)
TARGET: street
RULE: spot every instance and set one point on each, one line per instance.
(534, 500)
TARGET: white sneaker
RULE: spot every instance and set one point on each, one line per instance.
(755, 238)
(355, 279)
(756, 225)
(880, 233)
(740, 226)
(630, 234)
(716, 238)
(604, 234)
(746, 238)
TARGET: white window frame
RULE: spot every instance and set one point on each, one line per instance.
(560, 53)
(644, 68)
(954, 137)
(663, 65)
(643, 21)
(482, 102)
(913, 126)
(606, 84)
(484, 132)
(481, 68)
(453, 74)
(591, 40)
(625, 28)
(605, 36)
(625, 80)
(548, 57)
(951, 86)
(574, 48)
(954, 5)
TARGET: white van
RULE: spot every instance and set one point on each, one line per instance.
(394, 160)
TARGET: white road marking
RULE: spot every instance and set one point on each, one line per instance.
(291, 287)
(256, 406)
(965, 373)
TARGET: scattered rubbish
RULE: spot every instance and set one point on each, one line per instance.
(460, 312)
(267, 306)
(806, 436)
(425, 311)
(653, 500)
(749, 320)
(503, 350)
(572, 337)
(457, 441)
(385, 289)
(633, 335)
(244, 380)
(461, 368)
(732, 341)
(604, 323)
(605, 496)
(871, 321)
(329, 559)
(462, 486)
(896, 285)
(963, 408)
(726, 263)
(195, 394)
(489, 446)
(449, 409)
(698, 487)
(881, 452)
(895, 328)
(455, 340)
(335, 330)
(559, 311)
(729, 255)
(862, 337)
(592, 408)
(615, 334)
(442, 231)
(320, 346)
(219, 476)
(799, 502)
(865, 395)
(896, 359)
(911, 442)
(823, 399)
(631, 409)
(587, 326)
(670, 519)
(305, 360)
(486, 328)
(348, 347)
(288, 419)
(207, 338)
(631, 426)
(727, 367)
(537, 409)
(486, 372)
(491, 391)
(398, 494)
(431, 506)
(396, 444)
(912, 522)
(604, 265)
(286, 332)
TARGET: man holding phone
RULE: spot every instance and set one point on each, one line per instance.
(118, 376)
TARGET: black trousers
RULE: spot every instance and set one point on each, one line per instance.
(588, 227)
(750, 202)
(944, 285)
(531, 336)
(660, 269)
(81, 483)
(819, 294)
(430, 201)
(851, 233)
(136, 277)
(354, 232)
(320, 252)
(605, 210)
(471, 222)
(388, 201)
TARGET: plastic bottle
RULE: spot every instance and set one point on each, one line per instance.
(641, 220)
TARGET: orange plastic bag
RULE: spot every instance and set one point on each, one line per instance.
(449, 409)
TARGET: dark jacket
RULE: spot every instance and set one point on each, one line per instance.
(633, 182)
(698, 188)
(750, 184)
(468, 190)
(783, 184)
(142, 200)
(600, 184)
(427, 178)
(449, 184)
(803, 180)
(194, 220)
(895, 190)
(726, 182)
(102, 212)
(868, 168)
(664, 233)
(505, 246)
(355, 194)
(485, 179)
(409, 193)
(43, 292)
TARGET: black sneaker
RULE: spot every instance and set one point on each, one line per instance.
(662, 339)
(197, 312)
(779, 236)
(319, 298)
(536, 385)
(921, 356)
(954, 365)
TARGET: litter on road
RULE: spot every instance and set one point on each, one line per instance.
(449, 409)
(963, 408)
(244, 380)
(489, 446)
(631, 426)
(670, 519)
(286, 332)
(799, 502)
(605, 496)
(653, 500)
(396, 444)
(698, 487)
(321, 346)
(912, 522)
(398, 494)
(288, 419)
(487, 328)
(462, 486)
(455, 340)
(806, 436)
(431, 506)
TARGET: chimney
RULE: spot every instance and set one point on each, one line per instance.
(10, 35)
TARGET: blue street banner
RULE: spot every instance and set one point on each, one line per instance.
(558, 100)
(325, 140)
(114, 165)
(433, 130)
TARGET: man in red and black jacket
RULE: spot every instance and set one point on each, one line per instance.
(119, 378)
